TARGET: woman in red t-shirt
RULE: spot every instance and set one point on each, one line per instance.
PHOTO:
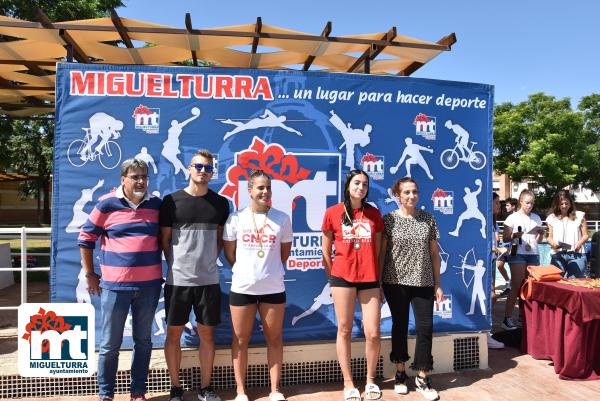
(354, 228)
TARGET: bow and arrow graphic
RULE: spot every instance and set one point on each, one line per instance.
(466, 264)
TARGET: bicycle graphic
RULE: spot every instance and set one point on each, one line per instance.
(80, 152)
(451, 157)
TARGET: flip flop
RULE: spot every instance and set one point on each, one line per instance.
(276, 396)
(352, 394)
(370, 389)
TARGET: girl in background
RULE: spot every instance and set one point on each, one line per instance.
(516, 228)
(567, 234)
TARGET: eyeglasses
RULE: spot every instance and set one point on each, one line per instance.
(199, 166)
(138, 177)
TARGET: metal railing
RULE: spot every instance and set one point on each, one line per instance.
(44, 233)
(593, 225)
(23, 232)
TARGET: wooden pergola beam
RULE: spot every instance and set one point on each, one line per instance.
(116, 20)
(207, 32)
(374, 50)
(446, 41)
(45, 23)
(5, 84)
(326, 32)
(254, 48)
(28, 63)
(188, 26)
(18, 106)
(257, 31)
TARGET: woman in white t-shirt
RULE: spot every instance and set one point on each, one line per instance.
(257, 243)
(523, 228)
(567, 233)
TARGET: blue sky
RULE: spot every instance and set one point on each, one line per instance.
(520, 47)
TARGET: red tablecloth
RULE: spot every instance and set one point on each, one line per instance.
(562, 323)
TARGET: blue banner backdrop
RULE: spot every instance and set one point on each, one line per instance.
(307, 129)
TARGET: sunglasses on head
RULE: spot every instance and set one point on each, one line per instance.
(207, 167)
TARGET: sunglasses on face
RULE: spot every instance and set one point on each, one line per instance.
(199, 166)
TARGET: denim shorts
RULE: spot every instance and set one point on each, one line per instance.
(573, 263)
(523, 259)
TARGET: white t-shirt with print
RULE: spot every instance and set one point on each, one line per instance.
(252, 274)
(526, 223)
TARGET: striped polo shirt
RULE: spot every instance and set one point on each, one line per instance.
(130, 255)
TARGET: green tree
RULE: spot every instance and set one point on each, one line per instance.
(26, 145)
(544, 141)
(59, 10)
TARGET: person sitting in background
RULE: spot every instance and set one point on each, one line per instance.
(567, 234)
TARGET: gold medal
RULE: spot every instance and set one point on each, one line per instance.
(261, 252)
(527, 247)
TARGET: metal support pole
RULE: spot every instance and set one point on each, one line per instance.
(23, 265)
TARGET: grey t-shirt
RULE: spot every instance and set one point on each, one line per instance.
(194, 221)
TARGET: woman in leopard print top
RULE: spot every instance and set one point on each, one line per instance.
(411, 275)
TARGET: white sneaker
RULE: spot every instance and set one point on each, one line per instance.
(208, 394)
(400, 380)
(494, 344)
(424, 387)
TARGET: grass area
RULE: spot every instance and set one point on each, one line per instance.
(33, 246)
(15, 244)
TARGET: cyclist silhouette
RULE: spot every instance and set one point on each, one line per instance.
(462, 137)
(104, 126)
(108, 152)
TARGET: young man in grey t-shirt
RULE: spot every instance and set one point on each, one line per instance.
(191, 223)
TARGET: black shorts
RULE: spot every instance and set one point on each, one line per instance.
(340, 282)
(204, 299)
(237, 299)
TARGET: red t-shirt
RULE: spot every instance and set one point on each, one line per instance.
(351, 264)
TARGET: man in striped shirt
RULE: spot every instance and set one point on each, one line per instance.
(126, 221)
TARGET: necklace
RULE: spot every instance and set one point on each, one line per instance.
(261, 252)
(354, 231)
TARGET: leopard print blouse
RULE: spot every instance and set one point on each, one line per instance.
(407, 258)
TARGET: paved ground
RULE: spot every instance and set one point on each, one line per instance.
(512, 375)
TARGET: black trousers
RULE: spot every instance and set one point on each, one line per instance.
(399, 298)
